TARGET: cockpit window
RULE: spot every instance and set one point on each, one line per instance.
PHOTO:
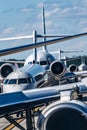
(29, 62)
(38, 77)
(25, 80)
(22, 81)
(43, 62)
(6, 81)
(50, 59)
(19, 81)
(12, 81)
(29, 80)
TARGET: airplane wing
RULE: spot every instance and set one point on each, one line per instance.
(31, 46)
(28, 98)
(81, 73)
(12, 61)
(35, 97)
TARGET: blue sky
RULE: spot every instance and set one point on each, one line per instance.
(21, 17)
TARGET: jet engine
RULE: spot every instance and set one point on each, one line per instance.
(70, 115)
(72, 68)
(6, 69)
(58, 68)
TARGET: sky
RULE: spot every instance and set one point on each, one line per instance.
(22, 17)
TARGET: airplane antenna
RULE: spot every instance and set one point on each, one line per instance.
(44, 27)
(35, 50)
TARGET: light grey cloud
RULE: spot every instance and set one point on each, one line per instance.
(84, 29)
(8, 30)
(26, 10)
(83, 21)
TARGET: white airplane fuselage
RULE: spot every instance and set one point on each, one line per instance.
(44, 58)
(27, 77)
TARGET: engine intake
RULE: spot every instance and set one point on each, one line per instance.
(57, 68)
(70, 115)
(72, 68)
(6, 69)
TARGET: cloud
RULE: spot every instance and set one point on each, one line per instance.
(72, 10)
(8, 30)
(84, 29)
(25, 10)
(40, 5)
(83, 21)
(49, 23)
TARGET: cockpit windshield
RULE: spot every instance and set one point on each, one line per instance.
(22, 81)
(12, 81)
(18, 81)
(6, 81)
(43, 62)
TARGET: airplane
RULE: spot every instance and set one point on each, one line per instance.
(57, 69)
(63, 109)
(24, 78)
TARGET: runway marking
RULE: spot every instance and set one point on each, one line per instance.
(11, 126)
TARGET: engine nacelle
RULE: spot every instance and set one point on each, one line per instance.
(71, 115)
(72, 68)
(58, 68)
(6, 69)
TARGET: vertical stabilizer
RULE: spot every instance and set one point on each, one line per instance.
(35, 49)
(44, 27)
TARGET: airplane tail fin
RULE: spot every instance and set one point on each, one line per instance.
(44, 27)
